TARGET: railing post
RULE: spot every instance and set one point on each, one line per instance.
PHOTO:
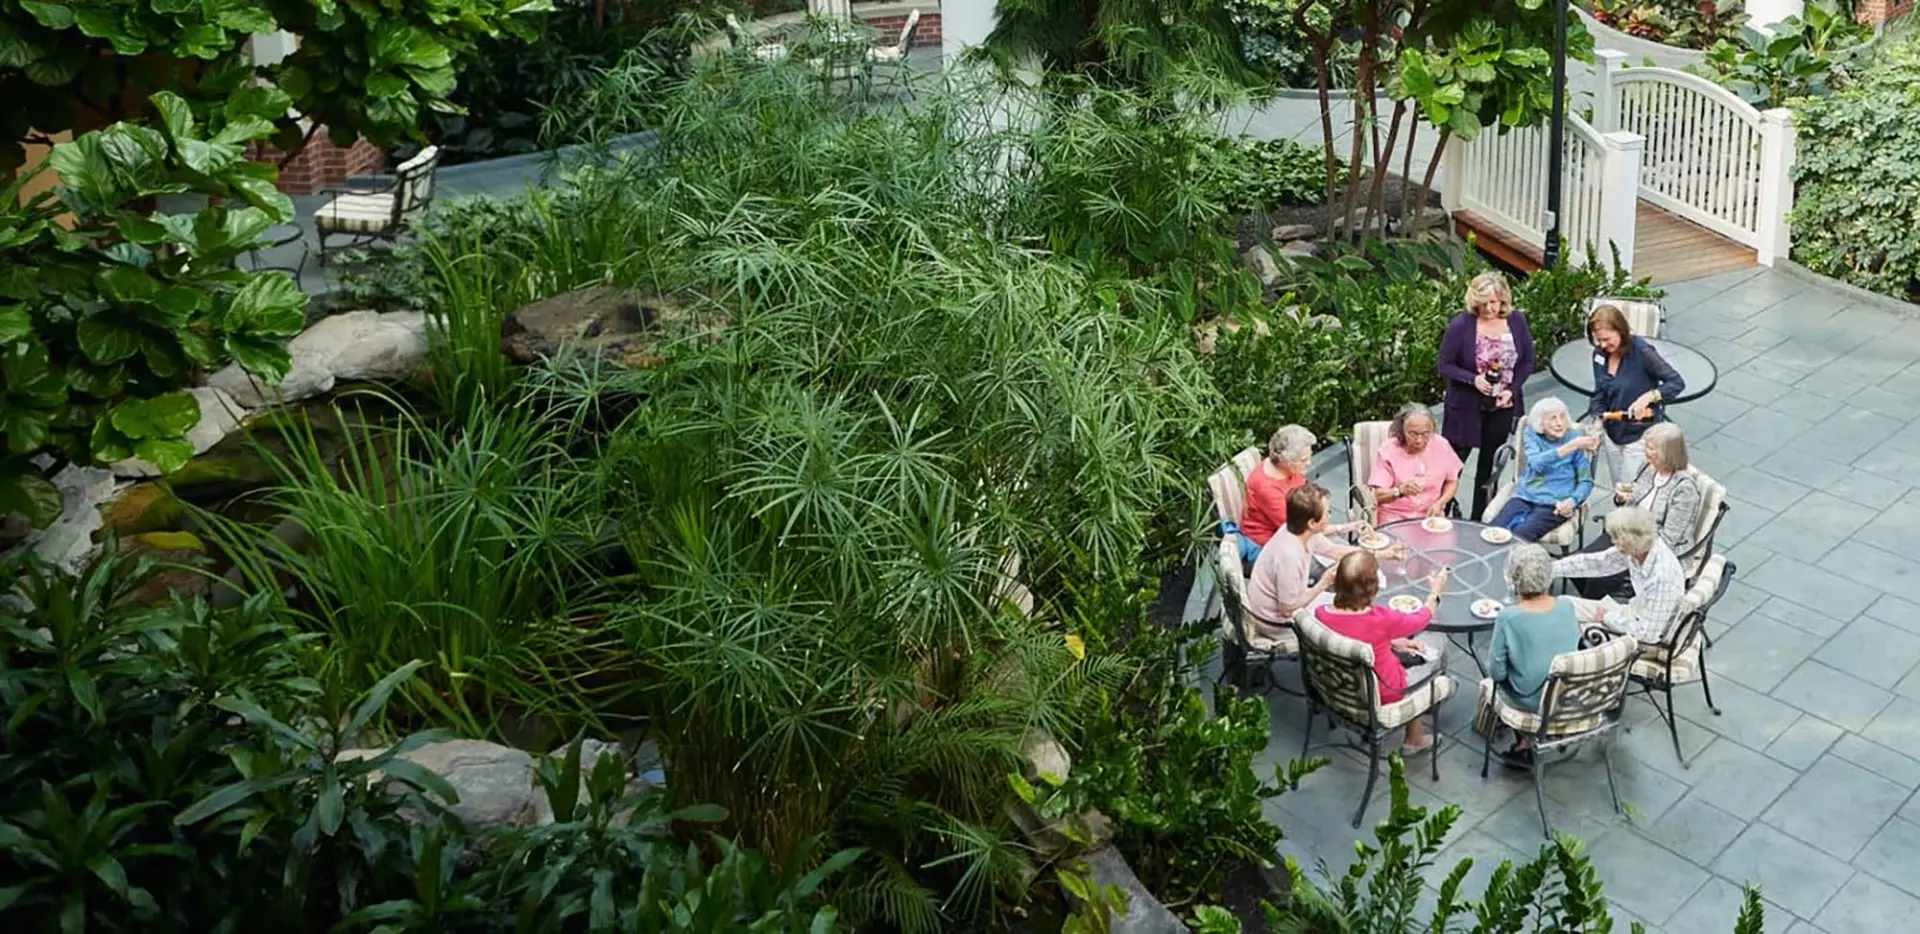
(1619, 194)
(1777, 143)
(1453, 175)
(1606, 109)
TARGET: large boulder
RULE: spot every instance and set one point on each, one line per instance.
(178, 555)
(68, 542)
(494, 782)
(143, 507)
(1145, 914)
(357, 345)
(616, 323)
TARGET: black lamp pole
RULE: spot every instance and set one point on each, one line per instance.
(1556, 144)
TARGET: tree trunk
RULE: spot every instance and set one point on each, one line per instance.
(1322, 53)
(1426, 183)
(1381, 162)
(1363, 100)
(1407, 208)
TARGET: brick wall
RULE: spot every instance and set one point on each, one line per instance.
(1876, 12)
(322, 164)
(929, 33)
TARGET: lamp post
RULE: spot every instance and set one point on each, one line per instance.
(1556, 142)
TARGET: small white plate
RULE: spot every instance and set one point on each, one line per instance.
(1436, 524)
(1375, 541)
(1405, 603)
(1486, 608)
(1494, 535)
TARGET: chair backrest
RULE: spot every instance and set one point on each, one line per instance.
(833, 9)
(1010, 589)
(1229, 485)
(1691, 619)
(1338, 671)
(1644, 316)
(1713, 508)
(1364, 449)
(413, 181)
(1586, 688)
(1233, 593)
(907, 31)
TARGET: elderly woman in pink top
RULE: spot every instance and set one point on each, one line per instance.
(1400, 662)
(1412, 477)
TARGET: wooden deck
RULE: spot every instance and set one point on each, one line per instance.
(1665, 248)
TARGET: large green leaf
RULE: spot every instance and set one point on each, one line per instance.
(32, 496)
(15, 323)
(164, 416)
(270, 305)
(16, 50)
(50, 15)
(105, 340)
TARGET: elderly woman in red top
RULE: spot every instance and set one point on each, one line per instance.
(1399, 661)
(1283, 470)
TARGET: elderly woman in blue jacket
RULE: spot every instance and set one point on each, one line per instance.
(1556, 477)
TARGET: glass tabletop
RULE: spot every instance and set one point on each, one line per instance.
(1479, 570)
(1572, 365)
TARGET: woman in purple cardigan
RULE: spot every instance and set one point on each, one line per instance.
(1486, 356)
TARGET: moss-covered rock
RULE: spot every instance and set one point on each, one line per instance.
(181, 555)
(143, 507)
(222, 472)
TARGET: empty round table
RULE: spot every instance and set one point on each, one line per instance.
(1572, 365)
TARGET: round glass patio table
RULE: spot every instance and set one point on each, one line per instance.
(1572, 365)
(1479, 571)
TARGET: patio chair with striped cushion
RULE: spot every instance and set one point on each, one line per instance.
(378, 213)
(1584, 695)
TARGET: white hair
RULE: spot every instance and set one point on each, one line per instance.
(1290, 444)
(1529, 569)
(1632, 531)
(1537, 416)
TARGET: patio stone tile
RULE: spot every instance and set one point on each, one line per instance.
(1889, 459)
(1876, 567)
(1888, 609)
(1872, 651)
(1738, 780)
(1893, 855)
(1487, 853)
(1887, 762)
(1804, 467)
(1726, 355)
(1775, 430)
(1747, 717)
(1849, 433)
(1879, 400)
(1718, 406)
(1807, 406)
(1748, 559)
(1909, 687)
(1910, 812)
(1795, 876)
(1758, 338)
(1738, 601)
(1518, 821)
(1832, 695)
(1755, 389)
(1741, 520)
(1824, 625)
(1837, 806)
(1868, 904)
(1726, 450)
(1645, 741)
(1646, 793)
(1779, 371)
(1804, 742)
(1697, 326)
(1460, 782)
(1799, 927)
(1798, 355)
(1642, 877)
(1867, 489)
(1696, 425)
(1762, 489)
(1788, 535)
(1761, 652)
(1897, 727)
(1694, 829)
(1714, 908)
(1892, 531)
(1811, 587)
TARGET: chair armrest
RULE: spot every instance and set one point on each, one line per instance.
(391, 185)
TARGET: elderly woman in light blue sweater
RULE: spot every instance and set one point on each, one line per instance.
(1557, 476)
(1528, 634)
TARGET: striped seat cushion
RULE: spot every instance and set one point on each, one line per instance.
(357, 214)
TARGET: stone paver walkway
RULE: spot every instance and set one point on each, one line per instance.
(1807, 785)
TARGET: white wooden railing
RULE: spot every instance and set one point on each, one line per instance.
(1502, 177)
(1710, 157)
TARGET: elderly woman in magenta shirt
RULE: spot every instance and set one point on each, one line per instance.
(1485, 356)
(1412, 477)
(1353, 614)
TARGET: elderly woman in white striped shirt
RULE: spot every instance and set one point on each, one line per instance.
(1658, 580)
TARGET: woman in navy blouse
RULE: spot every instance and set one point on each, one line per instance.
(1486, 355)
(1628, 376)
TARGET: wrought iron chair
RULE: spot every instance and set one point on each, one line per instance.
(1246, 648)
(1340, 680)
(1681, 658)
(1582, 700)
(1713, 509)
(379, 213)
(1514, 452)
(894, 57)
(761, 50)
(1645, 316)
(1362, 451)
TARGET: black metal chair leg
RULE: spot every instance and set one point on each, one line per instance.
(1306, 742)
(1606, 754)
(1673, 727)
(1704, 686)
(1539, 791)
(1373, 775)
(1486, 751)
(1433, 755)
